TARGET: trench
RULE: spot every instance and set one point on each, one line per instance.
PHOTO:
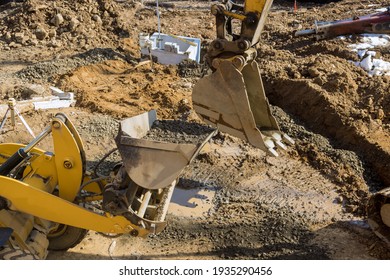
(315, 109)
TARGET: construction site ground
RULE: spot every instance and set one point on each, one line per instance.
(233, 201)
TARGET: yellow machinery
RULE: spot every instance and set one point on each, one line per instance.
(232, 98)
(46, 198)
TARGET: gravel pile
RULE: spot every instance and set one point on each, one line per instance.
(56, 24)
(180, 132)
(45, 70)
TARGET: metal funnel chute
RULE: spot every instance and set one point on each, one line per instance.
(152, 164)
(145, 181)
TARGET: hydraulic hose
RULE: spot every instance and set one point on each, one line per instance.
(12, 162)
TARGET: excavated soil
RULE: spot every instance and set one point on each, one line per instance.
(177, 131)
(233, 201)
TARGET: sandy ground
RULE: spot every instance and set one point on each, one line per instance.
(233, 201)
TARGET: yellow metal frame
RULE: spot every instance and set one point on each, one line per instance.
(27, 199)
(252, 17)
(251, 6)
(68, 150)
(63, 169)
(234, 15)
(256, 6)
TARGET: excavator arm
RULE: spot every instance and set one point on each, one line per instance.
(232, 98)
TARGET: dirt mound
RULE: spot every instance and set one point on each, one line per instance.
(120, 89)
(85, 24)
(317, 82)
(79, 23)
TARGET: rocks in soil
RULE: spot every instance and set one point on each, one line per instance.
(40, 33)
(44, 71)
(68, 22)
(342, 166)
(177, 131)
(190, 68)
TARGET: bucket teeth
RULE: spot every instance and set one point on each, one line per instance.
(281, 145)
(277, 138)
(288, 139)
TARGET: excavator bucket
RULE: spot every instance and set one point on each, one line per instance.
(234, 101)
(152, 167)
(146, 161)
